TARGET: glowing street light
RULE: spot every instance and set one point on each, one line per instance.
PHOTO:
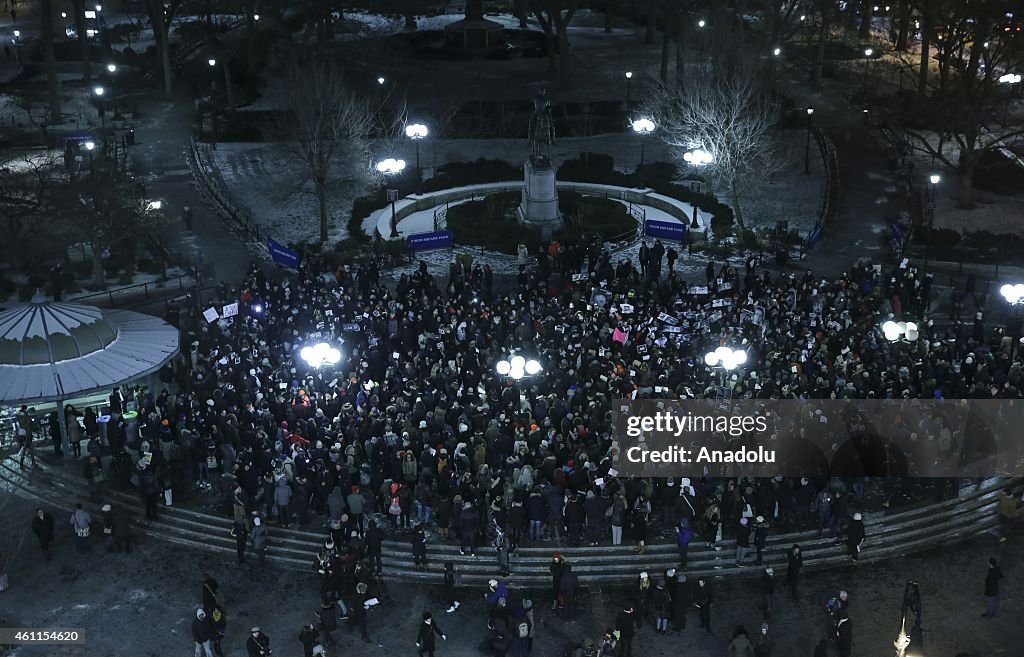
(807, 144)
(416, 132)
(629, 76)
(380, 81)
(518, 367)
(701, 23)
(17, 34)
(154, 205)
(725, 358)
(642, 127)
(255, 17)
(390, 168)
(868, 52)
(211, 61)
(900, 331)
(99, 91)
(698, 157)
(320, 354)
(111, 68)
(934, 178)
(777, 52)
(1013, 294)
(89, 145)
(1010, 78)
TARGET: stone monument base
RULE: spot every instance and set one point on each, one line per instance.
(539, 207)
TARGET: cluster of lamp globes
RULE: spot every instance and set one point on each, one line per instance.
(320, 354)
(1013, 294)
(517, 367)
(726, 358)
(698, 157)
(894, 331)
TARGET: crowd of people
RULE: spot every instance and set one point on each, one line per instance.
(413, 424)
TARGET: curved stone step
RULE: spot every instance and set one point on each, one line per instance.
(888, 535)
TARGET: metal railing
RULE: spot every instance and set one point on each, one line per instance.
(183, 281)
(830, 199)
(201, 167)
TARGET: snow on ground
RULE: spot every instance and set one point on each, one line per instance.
(278, 196)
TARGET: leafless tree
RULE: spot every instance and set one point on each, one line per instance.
(52, 83)
(327, 128)
(161, 15)
(25, 184)
(955, 118)
(102, 209)
(725, 109)
(555, 16)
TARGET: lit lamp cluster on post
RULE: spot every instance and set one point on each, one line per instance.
(390, 168)
(900, 331)
(320, 354)
(518, 367)
(698, 157)
(642, 127)
(1013, 294)
(726, 358)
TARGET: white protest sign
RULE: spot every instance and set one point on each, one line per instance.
(230, 310)
(625, 308)
(699, 289)
(612, 472)
(210, 315)
(576, 278)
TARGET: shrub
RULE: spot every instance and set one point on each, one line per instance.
(461, 174)
(26, 292)
(7, 287)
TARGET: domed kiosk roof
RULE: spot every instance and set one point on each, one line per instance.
(53, 350)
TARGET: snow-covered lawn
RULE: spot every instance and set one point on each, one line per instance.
(277, 194)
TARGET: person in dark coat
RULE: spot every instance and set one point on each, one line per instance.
(241, 540)
(703, 599)
(374, 540)
(992, 577)
(357, 612)
(202, 634)
(567, 588)
(122, 532)
(768, 590)
(557, 567)
(682, 598)
(425, 641)
(309, 638)
(258, 643)
(795, 561)
(844, 634)
(328, 622)
(419, 547)
(209, 592)
(626, 623)
(469, 523)
(42, 527)
(855, 536)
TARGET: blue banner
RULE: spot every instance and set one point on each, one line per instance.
(442, 239)
(666, 230)
(282, 255)
(815, 235)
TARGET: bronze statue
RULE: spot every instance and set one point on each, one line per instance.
(542, 129)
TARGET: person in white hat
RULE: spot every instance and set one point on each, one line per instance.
(258, 643)
(855, 537)
(202, 634)
(768, 590)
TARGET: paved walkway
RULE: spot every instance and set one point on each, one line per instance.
(164, 127)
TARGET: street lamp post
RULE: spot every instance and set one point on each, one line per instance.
(320, 354)
(933, 180)
(642, 127)
(390, 168)
(98, 93)
(1011, 80)
(807, 146)
(868, 52)
(517, 367)
(725, 359)
(416, 132)
(1014, 295)
(900, 331)
(697, 158)
(89, 147)
(629, 76)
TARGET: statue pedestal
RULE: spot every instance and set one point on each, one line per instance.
(539, 207)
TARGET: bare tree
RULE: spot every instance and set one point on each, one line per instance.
(960, 106)
(725, 109)
(161, 15)
(25, 184)
(555, 16)
(327, 128)
(52, 83)
(101, 209)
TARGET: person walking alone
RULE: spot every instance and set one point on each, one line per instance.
(258, 538)
(425, 641)
(42, 527)
(626, 623)
(855, 537)
(795, 561)
(258, 643)
(992, 577)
